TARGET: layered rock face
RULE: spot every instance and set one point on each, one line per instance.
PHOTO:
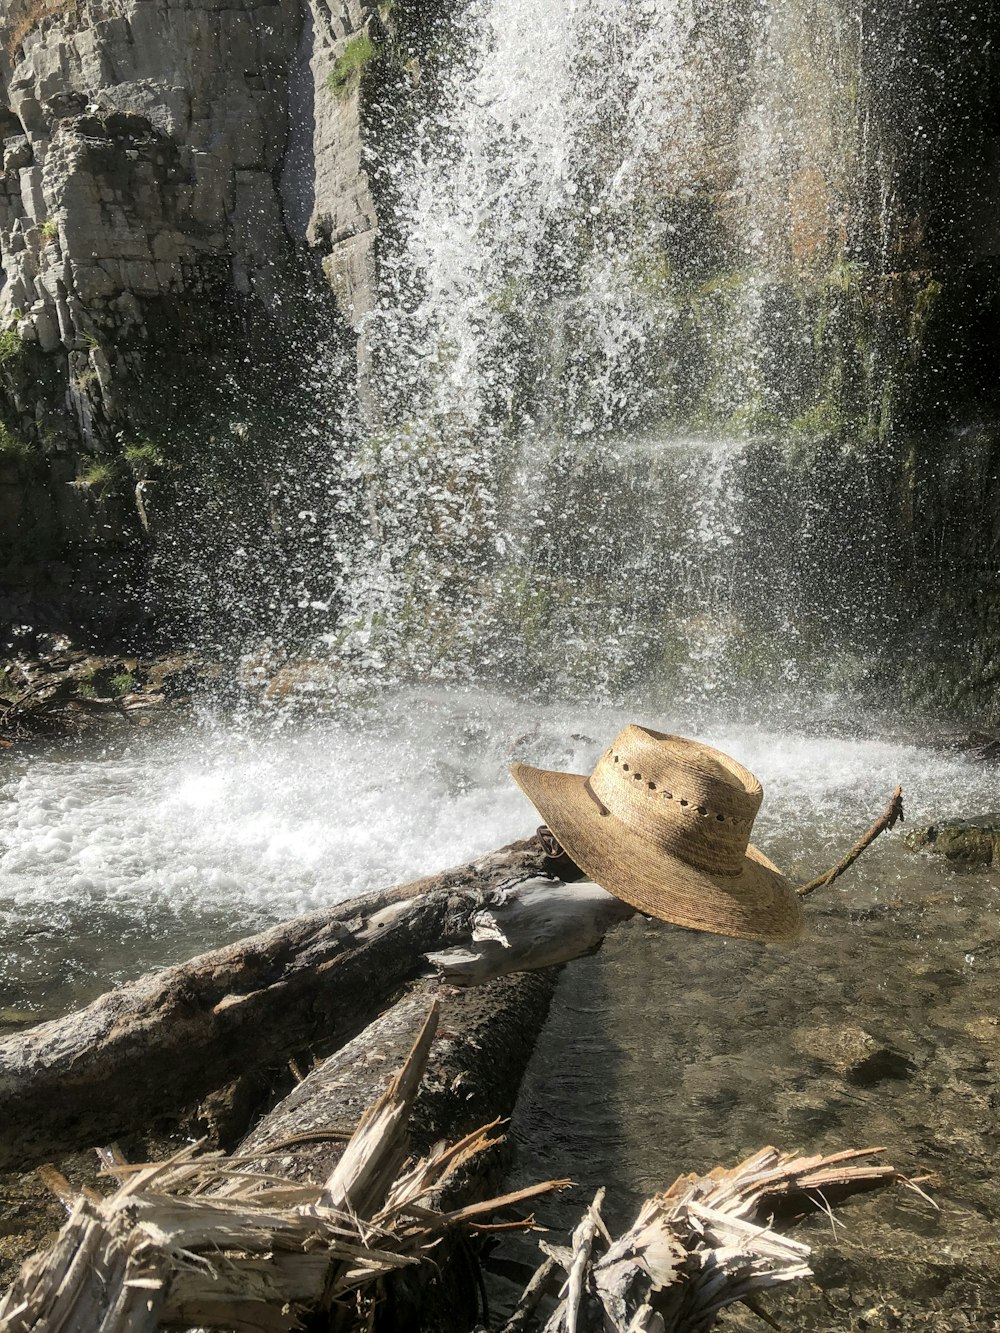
(171, 173)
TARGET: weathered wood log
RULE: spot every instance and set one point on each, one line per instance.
(164, 1041)
(301, 989)
(474, 1070)
(535, 924)
(160, 1253)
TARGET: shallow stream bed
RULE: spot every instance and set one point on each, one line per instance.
(668, 1051)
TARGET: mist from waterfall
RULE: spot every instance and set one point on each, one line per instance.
(553, 489)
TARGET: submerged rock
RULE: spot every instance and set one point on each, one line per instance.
(860, 1057)
(969, 843)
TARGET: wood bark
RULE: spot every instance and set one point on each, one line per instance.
(164, 1041)
(475, 1067)
(167, 1250)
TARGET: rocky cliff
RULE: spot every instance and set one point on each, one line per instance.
(176, 176)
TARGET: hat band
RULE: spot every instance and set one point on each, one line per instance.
(702, 838)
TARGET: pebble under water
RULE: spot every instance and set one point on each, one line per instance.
(668, 1051)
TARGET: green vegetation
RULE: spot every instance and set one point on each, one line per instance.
(11, 445)
(511, 296)
(11, 347)
(654, 272)
(886, 404)
(143, 453)
(846, 276)
(123, 683)
(357, 55)
(923, 308)
(96, 476)
(50, 231)
(823, 419)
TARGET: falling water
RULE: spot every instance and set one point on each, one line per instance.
(567, 364)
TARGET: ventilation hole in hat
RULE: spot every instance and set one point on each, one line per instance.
(668, 796)
(683, 802)
(701, 810)
(651, 786)
(637, 777)
(624, 768)
(721, 818)
(616, 759)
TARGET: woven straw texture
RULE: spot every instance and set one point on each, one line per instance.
(664, 824)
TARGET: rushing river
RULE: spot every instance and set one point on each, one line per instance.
(134, 854)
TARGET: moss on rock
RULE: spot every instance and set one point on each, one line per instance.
(968, 843)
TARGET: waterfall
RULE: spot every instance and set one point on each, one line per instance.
(599, 438)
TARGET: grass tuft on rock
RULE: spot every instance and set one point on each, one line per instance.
(11, 347)
(357, 55)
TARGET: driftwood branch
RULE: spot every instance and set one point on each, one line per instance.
(892, 814)
(532, 1296)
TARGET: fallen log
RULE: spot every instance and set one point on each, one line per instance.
(164, 1041)
(163, 1253)
(161, 1043)
(474, 1070)
(159, 1254)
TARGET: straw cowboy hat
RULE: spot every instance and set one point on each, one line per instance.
(664, 824)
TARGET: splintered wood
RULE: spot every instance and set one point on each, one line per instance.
(704, 1244)
(158, 1253)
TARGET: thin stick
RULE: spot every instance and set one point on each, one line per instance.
(583, 1244)
(892, 813)
(532, 1297)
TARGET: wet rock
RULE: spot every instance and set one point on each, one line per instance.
(968, 843)
(854, 1053)
(58, 689)
(982, 746)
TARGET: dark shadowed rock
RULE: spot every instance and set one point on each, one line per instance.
(970, 843)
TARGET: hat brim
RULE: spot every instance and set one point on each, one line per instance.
(757, 904)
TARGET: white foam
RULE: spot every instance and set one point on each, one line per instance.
(266, 826)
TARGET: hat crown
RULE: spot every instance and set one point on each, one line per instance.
(688, 799)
